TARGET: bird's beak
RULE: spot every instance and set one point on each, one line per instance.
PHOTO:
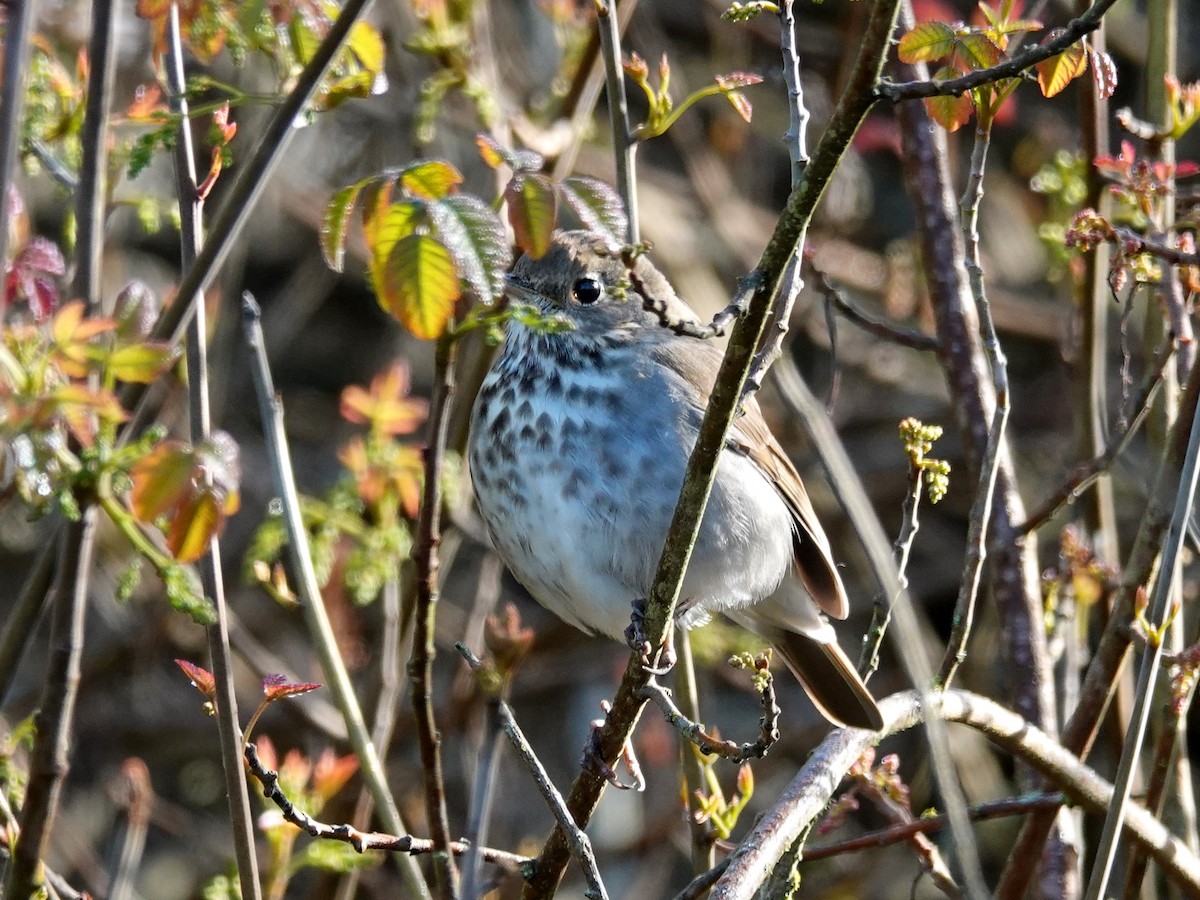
(521, 292)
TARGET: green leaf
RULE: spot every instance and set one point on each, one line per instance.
(475, 237)
(597, 206)
(384, 230)
(979, 51)
(927, 42)
(1057, 72)
(420, 285)
(532, 209)
(335, 222)
(431, 180)
(366, 43)
(142, 363)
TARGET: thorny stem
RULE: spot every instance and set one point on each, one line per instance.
(312, 604)
(624, 145)
(981, 509)
(191, 209)
(1010, 68)
(760, 291)
(420, 667)
(50, 759)
(711, 745)
(580, 845)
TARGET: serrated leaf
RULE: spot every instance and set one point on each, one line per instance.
(160, 480)
(494, 153)
(532, 210)
(195, 523)
(598, 207)
(142, 363)
(1055, 73)
(384, 230)
(475, 238)
(1104, 73)
(949, 112)
(430, 180)
(928, 42)
(420, 285)
(979, 51)
(335, 222)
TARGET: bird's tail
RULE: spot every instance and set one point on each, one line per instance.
(830, 679)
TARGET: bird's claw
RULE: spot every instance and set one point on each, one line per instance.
(593, 760)
(664, 660)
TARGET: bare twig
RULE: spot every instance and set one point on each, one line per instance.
(905, 337)
(703, 834)
(1159, 615)
(332, 664)
(698, 479)
(425, 559)
(23, 616)
(711, 745)
(18, 25)
(624, 145)
(981, 508)
(50, 759)
(580, 846)
(809, 792)
(1086, 472)
(362, 840)
(191, 208)
(1010, 68)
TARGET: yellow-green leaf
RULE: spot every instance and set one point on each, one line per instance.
(366, 43)
(1057, 72)
(927, 42)
(382, 232)
(430, 180)
(160, 480)
(142, 363)
(532, 209)
(195, 524)
(979, 51)
(949, 112)
(420, 285)
(335, 221)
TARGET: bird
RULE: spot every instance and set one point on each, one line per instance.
(578, 442)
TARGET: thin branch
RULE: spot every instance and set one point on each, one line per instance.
(703, 835)
(905, 337)
(18, 25)
(1086, 472)
(362, 841)
(1132, 244)
(50, 758)
(425, 559)
(760, 292)
(332, 664)
(709, 744)
(191, 208)
(1010, 68)
(981, 508)
(249, 181)
(624, 145)
(580, 846)
(810, 791)
(23, 616)
(1151, 657)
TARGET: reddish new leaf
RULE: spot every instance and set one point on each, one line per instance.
(532, 209)
(161, 479)
(202, 679)
(1057, 72)
(949, 112)
(386, 407)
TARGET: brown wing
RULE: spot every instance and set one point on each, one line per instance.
(696, 362)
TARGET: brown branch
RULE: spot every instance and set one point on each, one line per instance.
(364, 840)
(1089, 470)
(698, 479)
(905, 337)
(425, 559)
(1133, 243)
(1010, 68)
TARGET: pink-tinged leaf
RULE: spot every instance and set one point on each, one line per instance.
(386, 407)
(335, 222)
(420, 285)
(978, 51)
(949, 112)
(430, 180)
(161, 479)
(201, 679)
(532, 210)
(735, 80)
(928, 42)
(494, 153)
(1057, 72)
(142, 363)
(741, 104)
(597, 206)
(137, 309)
(1104, 73)
(80, 408)
(475, 237)
(276, 687)
(33, 275)
(331, 773)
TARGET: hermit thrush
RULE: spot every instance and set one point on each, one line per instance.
(579, 440)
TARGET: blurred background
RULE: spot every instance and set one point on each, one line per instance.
(710, 190)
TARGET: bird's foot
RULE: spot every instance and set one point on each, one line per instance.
(593, 759)
(664, 660)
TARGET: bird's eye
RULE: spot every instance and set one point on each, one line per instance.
(587, 291)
